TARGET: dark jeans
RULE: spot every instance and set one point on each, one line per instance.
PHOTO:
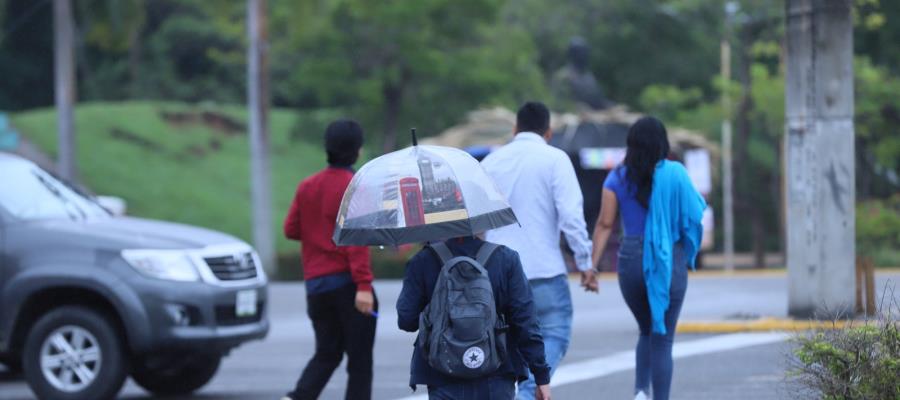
(493, 388)
(653, 356)
(339, 329)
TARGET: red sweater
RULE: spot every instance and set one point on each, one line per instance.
(311, 220)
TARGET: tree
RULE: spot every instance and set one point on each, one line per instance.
(877, 131)
(420, 61)
(877, 32)
(108, 31)
(26, 54)
(760, 120)
(634, 43)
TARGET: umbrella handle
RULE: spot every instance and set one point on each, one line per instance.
(415, 142)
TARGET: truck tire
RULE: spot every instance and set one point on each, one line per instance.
(74, 352)
(180, 376)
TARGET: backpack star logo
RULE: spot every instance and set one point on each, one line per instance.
(473, 357)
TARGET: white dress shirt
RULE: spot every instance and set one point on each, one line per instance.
(539, 182)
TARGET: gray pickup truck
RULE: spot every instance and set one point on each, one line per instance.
(88, 298)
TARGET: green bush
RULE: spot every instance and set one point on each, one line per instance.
(878, 230)
(859, 362)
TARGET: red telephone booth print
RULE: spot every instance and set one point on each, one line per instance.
(411, 196)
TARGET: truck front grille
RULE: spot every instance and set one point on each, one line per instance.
(232, 267)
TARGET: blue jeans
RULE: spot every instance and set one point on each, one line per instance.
(500, 388)
(553, 309)
(653, 356)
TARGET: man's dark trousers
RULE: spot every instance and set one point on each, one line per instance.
(340, 328)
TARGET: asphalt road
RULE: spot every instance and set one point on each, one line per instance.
(598, 365)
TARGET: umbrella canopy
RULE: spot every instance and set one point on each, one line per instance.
(418, 194)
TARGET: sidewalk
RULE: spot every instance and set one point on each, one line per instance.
(760, 311)
(742, 260)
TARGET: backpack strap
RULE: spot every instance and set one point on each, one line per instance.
(442, 251)
(485, 252)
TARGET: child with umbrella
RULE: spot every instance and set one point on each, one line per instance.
(469, 299)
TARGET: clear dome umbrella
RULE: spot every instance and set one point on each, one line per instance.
(419, 194)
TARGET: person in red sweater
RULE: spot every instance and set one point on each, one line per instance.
(339, 296)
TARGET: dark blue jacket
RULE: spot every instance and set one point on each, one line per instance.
(514, 301)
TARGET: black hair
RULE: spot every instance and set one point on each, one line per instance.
(534, 117)
(648, 143)
(343, 139)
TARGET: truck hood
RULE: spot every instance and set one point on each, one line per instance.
(119, 233)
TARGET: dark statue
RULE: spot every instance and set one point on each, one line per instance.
(575, 83)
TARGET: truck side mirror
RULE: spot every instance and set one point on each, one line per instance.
(115, 205)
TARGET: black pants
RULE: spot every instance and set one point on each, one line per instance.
(340, 329)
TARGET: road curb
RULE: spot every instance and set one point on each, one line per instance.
(739, 273)
(758, 325)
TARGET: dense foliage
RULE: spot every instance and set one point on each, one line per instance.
(425, 63)
(878, 230)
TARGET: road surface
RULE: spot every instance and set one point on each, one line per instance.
(599, 363)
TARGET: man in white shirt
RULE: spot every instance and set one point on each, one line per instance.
(539, 182)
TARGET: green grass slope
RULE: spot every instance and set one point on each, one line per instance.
(184, 163)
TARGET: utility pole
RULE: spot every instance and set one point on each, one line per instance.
(258, 104)
(727, 190)
(64, 82)
(819, 168)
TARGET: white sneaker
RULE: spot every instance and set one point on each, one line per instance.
(641, 396)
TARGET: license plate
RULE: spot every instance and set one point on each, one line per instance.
(245, 305)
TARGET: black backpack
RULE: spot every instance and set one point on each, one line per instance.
(460, 332)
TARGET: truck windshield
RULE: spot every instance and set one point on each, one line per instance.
(29, 192)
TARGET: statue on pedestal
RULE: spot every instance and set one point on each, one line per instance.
(575, 83)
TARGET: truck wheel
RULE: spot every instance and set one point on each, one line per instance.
(73, 352)
(179, 376)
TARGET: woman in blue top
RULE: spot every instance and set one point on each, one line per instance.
(659, 209)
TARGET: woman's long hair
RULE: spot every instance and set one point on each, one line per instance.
(648, 143)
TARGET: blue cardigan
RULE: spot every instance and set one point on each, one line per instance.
(675, 212)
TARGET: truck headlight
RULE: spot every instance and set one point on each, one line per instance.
(173, 265)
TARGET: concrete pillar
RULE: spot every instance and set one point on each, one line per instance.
(819, 167)
(64, 82)
(258, 105)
